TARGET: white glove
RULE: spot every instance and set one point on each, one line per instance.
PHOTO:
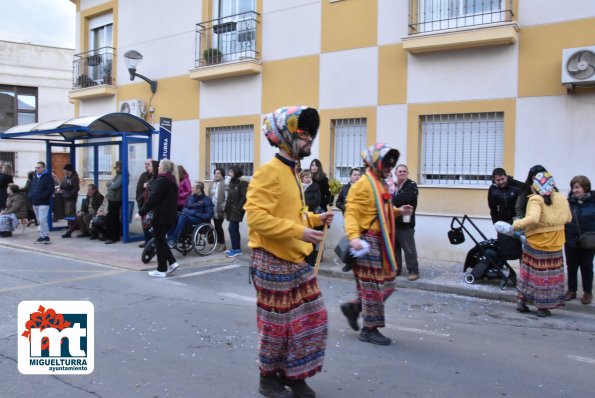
(361, 252)
(504, 228)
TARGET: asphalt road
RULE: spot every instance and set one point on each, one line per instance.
(194, 335)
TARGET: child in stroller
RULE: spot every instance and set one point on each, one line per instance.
(488, 258)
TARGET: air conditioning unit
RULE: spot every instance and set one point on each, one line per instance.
(578, 66)
(135, 107)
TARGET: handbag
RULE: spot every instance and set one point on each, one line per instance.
(585, 240)
(148, 220)
(342, 250)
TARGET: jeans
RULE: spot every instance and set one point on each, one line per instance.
(577, 258)
(41, 212)
(219, 230)
(405, 241)
(182, 220)
(164, 255)
(234, 234)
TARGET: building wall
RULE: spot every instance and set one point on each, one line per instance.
(50, 70)
(348, 59)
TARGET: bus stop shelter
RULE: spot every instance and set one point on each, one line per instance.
(120, 129)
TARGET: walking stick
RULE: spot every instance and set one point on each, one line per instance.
(321, 247)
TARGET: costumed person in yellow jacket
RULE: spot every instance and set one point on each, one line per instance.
(370, 228)
(541, 280)
(291, 316)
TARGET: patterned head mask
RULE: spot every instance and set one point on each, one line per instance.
(283, 127)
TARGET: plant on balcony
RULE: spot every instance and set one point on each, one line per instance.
(84, 81)
(212, 56)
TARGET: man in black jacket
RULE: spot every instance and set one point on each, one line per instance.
(40, 193)
(406, 193)
(354, 175)
(502, 196)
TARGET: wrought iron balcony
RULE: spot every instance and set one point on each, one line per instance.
(93, 68)
(227, 39)
(438, 15)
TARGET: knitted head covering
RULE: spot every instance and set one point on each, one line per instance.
(543, 183)
(378, 154)
(281, 127)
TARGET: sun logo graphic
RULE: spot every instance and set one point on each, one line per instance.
(56, 337)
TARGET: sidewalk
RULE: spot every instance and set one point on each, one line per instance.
(435, 276)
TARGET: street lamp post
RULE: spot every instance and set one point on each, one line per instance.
(133, 58)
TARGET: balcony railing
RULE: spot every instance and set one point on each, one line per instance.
(227, 39)
(437, 15)
(93, 68)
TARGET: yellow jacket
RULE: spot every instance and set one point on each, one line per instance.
(360, 212)
(274, 211)
(543, 224)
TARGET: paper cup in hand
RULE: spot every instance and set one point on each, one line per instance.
(407, 218)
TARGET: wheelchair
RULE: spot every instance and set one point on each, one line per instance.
(200, 238)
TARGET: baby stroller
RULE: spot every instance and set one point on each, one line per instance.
(488, 258)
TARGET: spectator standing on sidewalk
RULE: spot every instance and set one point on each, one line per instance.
(502, 198)
(185, 188)
(406, 193)
(370, 218)
(162, 201)
(354, 175)
(291, 316)
(582, 206)
(40, 193)
(218, 194)
(234, 209)
(114, 198)
(6, 178)
(25, 190)
(541, 278)
(143, 179)
(320, 178)
(69, 188)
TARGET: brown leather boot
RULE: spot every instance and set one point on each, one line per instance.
(587, 298)
(570, 295)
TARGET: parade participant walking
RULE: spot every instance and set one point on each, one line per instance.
(40, 193)
(291, 316)
(406, 193)
(162, 200)
(370, 218)
(541, 279)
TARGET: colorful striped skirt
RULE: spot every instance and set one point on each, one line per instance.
(291, 317)
(541, 280)
(374, 283)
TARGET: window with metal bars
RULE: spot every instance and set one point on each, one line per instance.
(349, 142)
(231, 146)
(461, 149)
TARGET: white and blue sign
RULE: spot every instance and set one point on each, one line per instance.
(164, 138)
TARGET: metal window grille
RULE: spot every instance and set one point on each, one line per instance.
(350, 141)
(232, 146)
(105, 161)
(461, 149)
(448, 14)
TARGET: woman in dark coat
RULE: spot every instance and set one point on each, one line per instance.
(582, 207)
(5, 180)
(319, 177)
(162, 201)
(25, 190)
(234, 209)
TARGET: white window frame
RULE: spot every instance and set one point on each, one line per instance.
(231, 146)
(106, 160)
(349, 140)
(461, 149)
(436, 15)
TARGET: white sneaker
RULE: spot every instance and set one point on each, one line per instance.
(157, 274)
(172, 267)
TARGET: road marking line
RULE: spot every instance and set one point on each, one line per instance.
(80, 278)
(420, 331)
(238, 297)
(582, 359)
(208, 271)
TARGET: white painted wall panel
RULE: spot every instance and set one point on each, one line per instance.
(392, 128)
(292, 31)
(556, 132)
(90, 3)
(231, 97)
(97, 106)
(536, 12)
(393, 18)
(186, 147)
(471, 74)
(349, 78)
(285, 5)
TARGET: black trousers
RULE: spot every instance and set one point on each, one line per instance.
(576, 259)
(219, 230)
(164, 255)
(112, 220)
